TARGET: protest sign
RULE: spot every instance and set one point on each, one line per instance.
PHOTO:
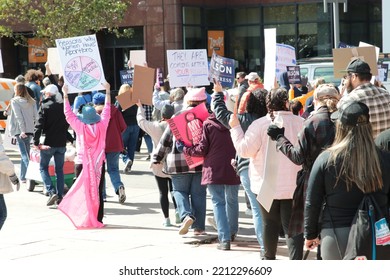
(37, 52)
(294, 75)
(270, 57)
(187, 127)
(160, 77)
(222, 70)
(143, 84)
(188, 68)
(342, 57)
(81, 63)
(138, 57)
(125, 99)
(54, 61)
(1, 63)
(215, 42)
(383, 70)
(285, 56)
(127, 76)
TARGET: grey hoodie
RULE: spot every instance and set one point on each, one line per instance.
(23, 116)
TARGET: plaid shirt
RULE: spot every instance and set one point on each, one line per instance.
(175, 162)
(318, 133)
(148, 109)
(377, 100)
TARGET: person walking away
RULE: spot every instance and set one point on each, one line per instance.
(53, 125)
(164, 183)
(253, 145)
(23, 117)
(341, 175)
(83, 203)
(114, 144)
(7, 176)
(317, 134)
(33, 78)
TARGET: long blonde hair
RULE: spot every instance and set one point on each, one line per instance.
(21, 90)
(354, 148)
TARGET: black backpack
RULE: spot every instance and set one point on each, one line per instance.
(363, 234)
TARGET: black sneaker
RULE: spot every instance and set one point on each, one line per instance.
(225, 246)
(52, 199)
(121, 195)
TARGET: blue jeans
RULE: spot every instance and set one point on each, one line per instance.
(225, 204)
(59, 157)
(24, 147)
(149, 143)
(130, 139)
(112, 160)
(255, 205)
(190, 197)
(3, 211)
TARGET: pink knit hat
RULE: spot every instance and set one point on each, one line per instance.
(196, 94)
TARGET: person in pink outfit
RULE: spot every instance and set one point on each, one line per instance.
(83, 204)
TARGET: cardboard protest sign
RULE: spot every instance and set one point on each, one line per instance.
(37, 52)
(188, 68)
(187, 127)
(1, 63)
(54, 61)
(125, 99)
(143, 84)
(138, 57)
(81, 63)
(342, 57)
(294, 75)
(222, 70)
(270, 57)
(215, 42)
(127, 76)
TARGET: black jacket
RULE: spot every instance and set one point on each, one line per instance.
(52, 124)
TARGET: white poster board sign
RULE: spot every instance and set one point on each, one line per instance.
(285, 56)
(188, 68)
(1, 63)
(81, 63)
(138, 57)
(54, 61)
(270, 57)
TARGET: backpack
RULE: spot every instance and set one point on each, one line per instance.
(369, 237)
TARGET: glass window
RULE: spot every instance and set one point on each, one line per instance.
(191, 15)
(215, 17)
(244, 16)
(310, 44)
(327, 74)
(312, 12)
(285, 33)
(285, 13)
(245, 47)
(192, 37)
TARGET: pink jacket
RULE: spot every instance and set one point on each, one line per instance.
(253, 145)
(81, 203)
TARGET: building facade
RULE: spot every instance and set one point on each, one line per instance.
(233, 27)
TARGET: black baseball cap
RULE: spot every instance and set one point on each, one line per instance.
(349, 113)
(358, 66)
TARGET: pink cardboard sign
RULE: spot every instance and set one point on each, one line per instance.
(187, 127)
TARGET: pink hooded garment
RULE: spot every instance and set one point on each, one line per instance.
(81, 203)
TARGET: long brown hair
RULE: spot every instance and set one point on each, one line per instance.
(354, 148)
(21, 90)
(276, 101)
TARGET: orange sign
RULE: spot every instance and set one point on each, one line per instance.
(37, 52)
(216, 42)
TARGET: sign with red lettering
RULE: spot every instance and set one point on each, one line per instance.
(188, 128)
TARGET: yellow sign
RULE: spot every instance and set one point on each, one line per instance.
(216, 42)
(37, 52)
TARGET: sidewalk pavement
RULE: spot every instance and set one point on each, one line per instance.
(133, 231)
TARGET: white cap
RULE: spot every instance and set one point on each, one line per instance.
(252, 76)
(51, 89)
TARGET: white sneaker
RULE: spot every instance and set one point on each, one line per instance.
(187, 223)
(167, 223)
(211, 222)
(128, 165)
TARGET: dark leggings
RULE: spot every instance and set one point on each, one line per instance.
(77, 171)
(279, 215)
(165, 187)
